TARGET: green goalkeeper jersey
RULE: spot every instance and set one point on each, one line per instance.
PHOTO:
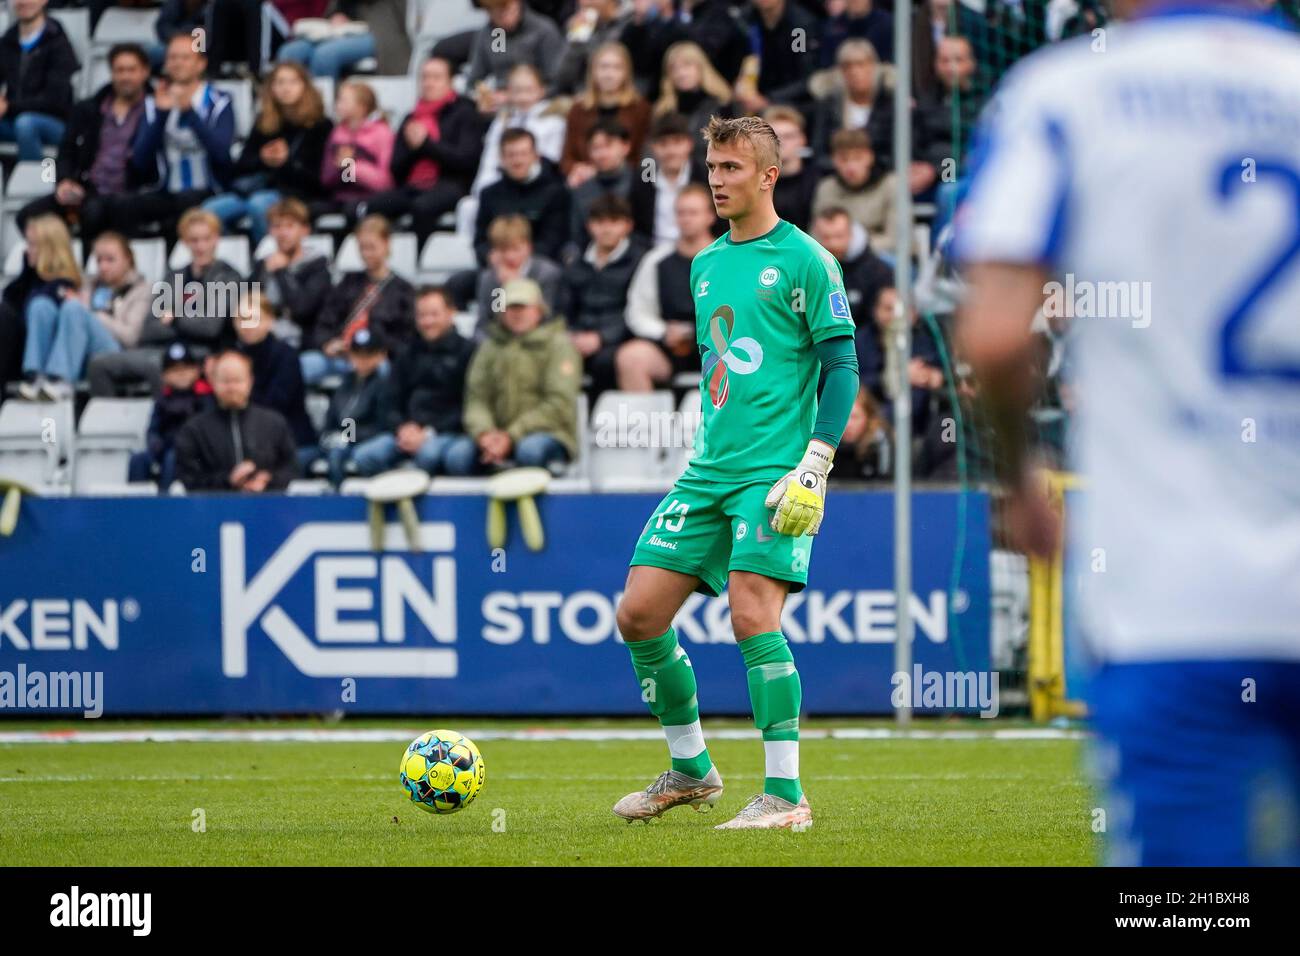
(760, 308)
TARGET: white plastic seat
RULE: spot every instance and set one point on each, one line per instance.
(109, 431)
(627, 445)
(396, 96)
(35, 438)
(241, 96)
(76, 24)
(444, 254)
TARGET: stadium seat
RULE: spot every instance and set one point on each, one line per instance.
(618, 419)
(35, 438)
(436, 19)
(318, 406)
(76, 24)
(231, 249)
(121, 489)
(117, 25)
(24, 184)
(689, 413)
(444, 254)
(241, 96)
(325, 86)
(396, 95)
(109, 431)
(401, 255)
(308, 486)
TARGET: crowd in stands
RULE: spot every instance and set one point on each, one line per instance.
(560, 139)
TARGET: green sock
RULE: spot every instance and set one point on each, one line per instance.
(668, 687)
(775, 694)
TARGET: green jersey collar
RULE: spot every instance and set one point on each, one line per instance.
(775, 233)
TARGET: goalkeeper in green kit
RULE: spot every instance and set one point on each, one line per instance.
(772, 319)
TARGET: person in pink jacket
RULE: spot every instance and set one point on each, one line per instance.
(358, 152)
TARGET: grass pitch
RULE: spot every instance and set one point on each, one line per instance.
(906, 801)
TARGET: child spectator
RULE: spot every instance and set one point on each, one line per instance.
(512, 257)
(610, 95)
(360, 407)
(694, 89)
(358, 153)
(185, 394)
(531, 187)
(277, 375)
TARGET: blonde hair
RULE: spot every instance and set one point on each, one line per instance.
(198, 216)
(508, 230)
(627, 93)
(364, 93)
(711, 81)
(53, 245)
(748, 129)
(308, 111)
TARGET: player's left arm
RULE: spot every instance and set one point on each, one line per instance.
(799, 497)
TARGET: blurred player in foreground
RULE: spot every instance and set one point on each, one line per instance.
(771, 317)
(1157, 178)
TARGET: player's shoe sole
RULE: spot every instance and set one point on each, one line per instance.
(670, 789)
(766, 812)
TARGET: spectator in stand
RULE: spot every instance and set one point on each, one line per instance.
(694, 89)
(864, 452)
(358, 154)
(859, 101)
(428, 392)
(435, 154)
(361, 29)
(236, 446)
(860, 19)
(522, 390)
(661, 179)
(95, 177)
(294, 277)
(793, 197)
(183, 146)
(784, 40)
(594, 23)
(512, 257)
(609, 147)
(530, 186)
(951, 118)
(716, 26)
(277, 374)
(36, 67)
(610, 97)
(49, 310)
(598, 285)
(360, 408)
(526, 107)
(185, 394)
(513, 34)
(195, 307)
(235, 37)
(865, 273)
(859, 186)
(661, 303)
(924, 371)
(282, 155)
(376, 298)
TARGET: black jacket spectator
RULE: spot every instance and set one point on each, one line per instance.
(202, 332)
(41, 80)
(428, 382)
(715, 25)
(456, 150)
(877, 28)
(299, 176)
(828, 118)
(80, 144)
(297, 291)
(542, 200)
(793, 197)
(784, 69)
(364, 405)
(13, 325)
(389, 315)
(598, 297)
(206, 452)
(277, 385)
(864, 277)
(172, 410)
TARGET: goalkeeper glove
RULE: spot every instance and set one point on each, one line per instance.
(799, 497)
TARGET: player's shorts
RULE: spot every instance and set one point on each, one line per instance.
(1199, 762)
(709, 528)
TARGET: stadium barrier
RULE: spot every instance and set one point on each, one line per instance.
(277, 605)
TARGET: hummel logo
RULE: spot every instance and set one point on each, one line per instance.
(758, 532)
(704, 289)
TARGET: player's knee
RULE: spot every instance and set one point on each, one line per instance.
(746, 622)
(638, 622)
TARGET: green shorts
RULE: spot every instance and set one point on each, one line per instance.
(709, 528)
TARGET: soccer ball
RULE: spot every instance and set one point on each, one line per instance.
(442, 771)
